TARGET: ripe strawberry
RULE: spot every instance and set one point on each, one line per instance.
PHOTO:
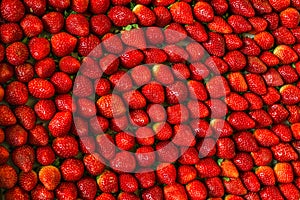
(60, 124)
(90, 45)
(245, 142)
(228, 169)
(166, 173)
(24, 157)
(251, 181)
(152, 193)
(66, 190)
(146, 178)
(138, 118)
(125, 140)
(234, 186)
(237, 81)
(87, 144)
(77, 24)
(87, 187)
(1, 93)
(28, 180)
(79, 6)
(273, 20)
(145, 16)
(278, 113)
(259, 24)
(243, 161)
(10, 32)
(53, 22)
(269, 59)
(294, 116)
(38, 136)
(174, 191)
(236, 102)
(26, 116)
(61, 82)
(233, 42)
(163, 16)
(219, 25)
(50, 177)
(108, 182)
(134, 38)
(225, 148)
(40, 192)
(177, 114)
(265, 40)
(272, 96)
(100, 24)
(105, 196)
(127, 18)
(63, 44)
(82, 86)
(270, 192)
(65, 147)
(207, 167)
(11, 10)
(193, 189)
(24, 73)
(45, 109)
(16, 135)
(17, 53)
(16, 93)
(72, 169)
(284, 172)
(283, 132)
(255, 65)
(215, 187)
(215, 45)
(4, 155)
(31, 25)
(167, 151)
(45, 155)
(16, 193)
(240, 121)
(8, 178)
(128, 183)
(203, 12)
(289, 191)
(219, 6)
(285, 54)
(256, 83)
(288, 73)
(261, 6)
(295, 130)
(284, 36)
(111, 105)
(272, 78)
(106, 146)
(181, 13)
(37, 7)
(284, 152)
(241, 7)
(45, 68)
(131, 58)
(261, 117)
(239, 24)
(290, 94)
(236, 60)
(266, 137)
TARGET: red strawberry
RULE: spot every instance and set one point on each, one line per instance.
(261, 117)
(16, 135)
(219, 25)
(283, 132)
(197, 90)
(236, 60)
(106, 146)
(60, 5)
(295, 129)
(225, 148)
(233, 42)
(1, 93)
(131, 58)
(269, 59)
(290, 94)
(220, 127)
(41, 88)
(153, 193)
(128, 183)
(100, 24)
(273, 78)
(241, 7)
(63, 44)
(4, 155)
(167, 151)
(79, 6)
(163, 16)
(251, 181)
(87, 187)
(270, 192)
(245, 142)
(10, 32)
(228, 169)
(284, 36)
(65, 147)
(108, 182)
(45, 109)
(261, 6)
(138, 118)
(215, 187)
(61, 82)
(38, 136)
(77, 24)
(265, 40)
(134, 38)
(181, 13)
(24, 157)
(26, 116)
(98, 7)
(255, 65)
(289, 191)
(121, 16)
(45, 155)
(166, 173)
(66, 190)
(294, 114)
(272, 96)
(243, 161)
(53, 22)
(111, 106)
(146, 178)
(17, 53)
(8, 178)
(60, 124)
(284, 152)
(38, 7)
(236, 102)
(278, 113)
(237, 81)
(105, 196)
(82, 86)
(11, 10)
(45, 68)
(16, 93)
(50, 177)
(234, 186)
(207, 167)
(125, 141)
(220, 6)
(90, 46)
(16, 193)
(145, 16)
(24, 73)
(288, 73)
(239, 24)
(40, 192)
(203, 12)
(72, 169)
(256, 84)
(240, 121)
(285, 54)
(273, 20)
(284, 172)
(31, 25)
(154, 55)
(193, 189)
(266, 137)
(174, 191)
(186, 173)
(215, 45)
(259, 24)
(250, 47)
(279, 5)
(155, 36)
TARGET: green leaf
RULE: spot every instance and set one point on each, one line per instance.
(220, 161)
(226, 179)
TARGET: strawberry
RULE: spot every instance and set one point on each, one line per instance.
(259, 24)
(236, 60)
(186, 173)
(245, 142)
(241, 7)
(105, 196)
(53, 22)
(60, 124)
(234, 186)
(128, 183)
(237, 82)
(87, 187)
(37, 7)
(203, 12)
(145, 155)
(272, 96)
(79, 6)
(31, 25)
(273, 20)
(295, 130)
(16, 93)
(61, 82)
(155, 36)
(163, 16)
(288, 73)
(110, 106)
(255, 65)
(17, 53)
(218, 24)
(272, 78)
(123, 161)
(284, 172)
(8, 178)
(10, 32)
(72, 169)
(240, 121)
(153, 193)
(284, 152)
(40, 192)
(239, 24)
(256, 83)
(278, 113)
(285, 54)
(207, 167)
(45, 155)
(266, 137)
(82, 86)
(87, 144)
(146, 178)
(138, 118)
(1, 93)
(125, 140)
(225, 148)
(220, 127)
(174, 191)
(4, 155)
(289, 191)
(233, 42)
(228, 169)
(181, 71)
(131, 58)
(120, 2)
(295, 32)
(127, 16)
(166, 173)
(90, 46)
(77, 24)
(98, 7)
(269, 58)
(198, 109)
(261, 6)
(290, 94)
(251, 181)
(38, 136)
(41, 88)
(261, 117)
(215, 187)
(108, 182)
(294, 116)
(45, 68)
(100, 24)
(181, 13)
(243, 161)
(63, 49)
(197, 90)
(236, 102)
(176, 53)
(16, 193)
(45, 109)
(283, 36)
(106, 146)
(175, 32)
(167, 151)
(16, 135)
(145, 16)
(66, 190)
(270, 192)
(50, 177)
(177, 114)
(26, 116)
(283, 132)
(65, 147)
(60, 5)
(193, 189)
(215, 45)
(126, 195)
(11, 10)
(24, 73)
(24, 157)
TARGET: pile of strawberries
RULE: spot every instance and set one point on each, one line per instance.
(149, 99)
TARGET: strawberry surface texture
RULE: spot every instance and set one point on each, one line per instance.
(149, 99)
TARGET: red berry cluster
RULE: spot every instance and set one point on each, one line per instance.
(194, 99)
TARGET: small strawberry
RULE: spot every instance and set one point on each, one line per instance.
(31, 25)
(243, 161)
(72, 169)
(145, 136)
(207, 167)
(82, 86)
(11, 10)
(111, 106)
(279, 5)
(294, 116)
(193, 189)
(16, 93)
(128, 183)
(131, 58)
(146, 178)
(121, 16)
(278, 113)
(45, 155)
(264, 40)
(163, 16)
(41, 88)
(17, 53)
(45, 109)
(175, 191)
(259, 24)
(26, 116)
(261, 117)
(166, 173)
(37, 7)
(108, 182)
(239, 24)
(10, 32)
(284, 152)
(145, 16)
(255, 65)
(220, 6)
(65, 147)
(241, 7)
(24, 157)
(288, 73)
(284, 36)
(290, 94)
(215, 187)
(8, 178)
(50, 177)
(53, 22)
(24, 73)
(236, 60)
(234, 186)
(167, 151)
(16, 135)
(28, 180)
(196, 31)
(4, 155)
(245, 142)
(186, 173)
(197, 90)
(228, 169)
(63, 44)
(77, 24)
(261, 6)
(256, 83)
(240, 121)
(100, 24)
(225, 148)
(272, 78)
(251, 181)
(61, 82)
(66, 190)
(203, 12)
(106, 147)
(236, 102)
(87, 187)
(233, 42)
(273, 20)
(40, 192)
(181, 13)
(45, 68)
(90, 46)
